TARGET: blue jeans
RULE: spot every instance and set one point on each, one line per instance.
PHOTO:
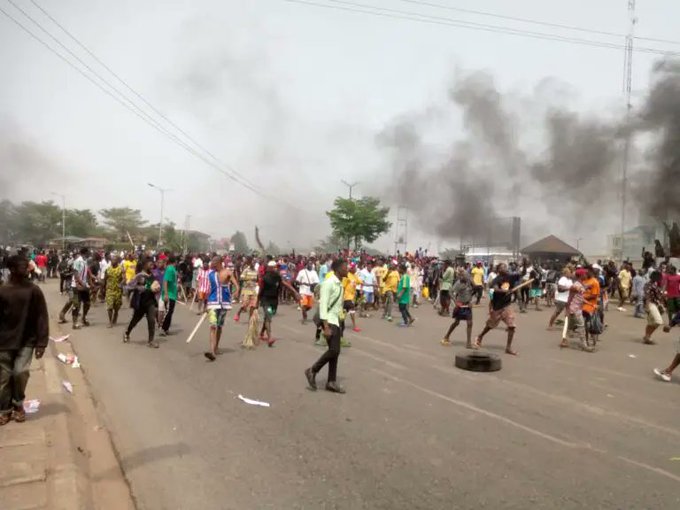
(14, 374)
(639, 306)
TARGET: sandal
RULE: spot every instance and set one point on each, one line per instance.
(5, 418)
(18, 415)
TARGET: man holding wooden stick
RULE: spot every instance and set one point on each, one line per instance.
(500, 308)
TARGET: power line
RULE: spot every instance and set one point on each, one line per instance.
(533, 21)
(439, 20)
(141, 97)
(122, 99)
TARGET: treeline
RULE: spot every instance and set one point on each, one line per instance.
(37, 223)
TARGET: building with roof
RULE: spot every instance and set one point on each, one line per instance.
(550, 248)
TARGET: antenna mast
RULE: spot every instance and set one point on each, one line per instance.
(627, 89)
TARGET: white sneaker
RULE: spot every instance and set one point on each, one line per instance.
(662, 375)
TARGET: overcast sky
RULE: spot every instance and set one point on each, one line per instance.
(290, 96)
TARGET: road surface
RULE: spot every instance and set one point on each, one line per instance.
(553, 429)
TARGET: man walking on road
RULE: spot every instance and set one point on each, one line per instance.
(143, 302)
(80, 286)
(462, 291)
(219, 303)
(169, 294)
(500, 309)
(24, 329)
(330, 308)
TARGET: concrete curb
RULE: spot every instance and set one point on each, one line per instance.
(68, 487)
(88, 472)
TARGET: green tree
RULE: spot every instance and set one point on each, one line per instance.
(240, 242)
(358, 220)
(123, 220)
(37, 222)
(81, 223)
(8, 222)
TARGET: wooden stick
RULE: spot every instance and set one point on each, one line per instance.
(198, 325)
(193, 299)
(521, 285)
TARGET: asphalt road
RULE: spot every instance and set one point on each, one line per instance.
(552, 429)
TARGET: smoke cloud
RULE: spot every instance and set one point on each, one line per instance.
(660, 116)
(27, 170)
(559, 172)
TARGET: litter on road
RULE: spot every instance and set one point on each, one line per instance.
(58, 339)
(31, 406)
(67, 386)
(253, 402)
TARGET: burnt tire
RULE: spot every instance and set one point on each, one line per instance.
(478, 361)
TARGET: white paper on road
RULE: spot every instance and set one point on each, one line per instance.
(68, 359)
(632, 356)
(58, 339)
(253, 402)
(31, 406)
(67, 386)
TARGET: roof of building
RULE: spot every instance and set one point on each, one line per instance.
(551, 244)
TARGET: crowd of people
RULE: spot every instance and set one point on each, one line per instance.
(335, 290)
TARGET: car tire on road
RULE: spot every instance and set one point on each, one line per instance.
(478, 361)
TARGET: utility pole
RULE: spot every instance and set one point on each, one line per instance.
(401, 229)
(627, 88)
(160, 224)
(63, 219)
(350, 186)
(185, 237)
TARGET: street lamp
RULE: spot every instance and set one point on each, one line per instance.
(160, 224)
(350, 186)
(63, 219)
(578, 243)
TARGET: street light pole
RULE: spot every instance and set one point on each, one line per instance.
(63, 220)
(350, 186)
(160, 223)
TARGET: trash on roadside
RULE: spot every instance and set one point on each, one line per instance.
(69, 359)
(58, 339)
(67, 386)
(253, 402)
(675, 459)
(632, 356)
(31, 406)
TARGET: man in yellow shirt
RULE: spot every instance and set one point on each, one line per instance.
(625, 279)
(379, 271)
(391, 281)
(130, 267)
(349, 285)
(477, 274)
(130, 270)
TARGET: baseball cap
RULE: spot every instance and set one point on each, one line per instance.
(271, 263)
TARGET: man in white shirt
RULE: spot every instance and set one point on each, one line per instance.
(368, 283)
(562, 296)
(307, 278)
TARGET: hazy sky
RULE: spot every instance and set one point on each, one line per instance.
(290, 96)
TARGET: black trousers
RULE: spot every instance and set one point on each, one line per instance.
(477, 292)
(148, 309)
(167, 321)
(331, 355)
(63, 285)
